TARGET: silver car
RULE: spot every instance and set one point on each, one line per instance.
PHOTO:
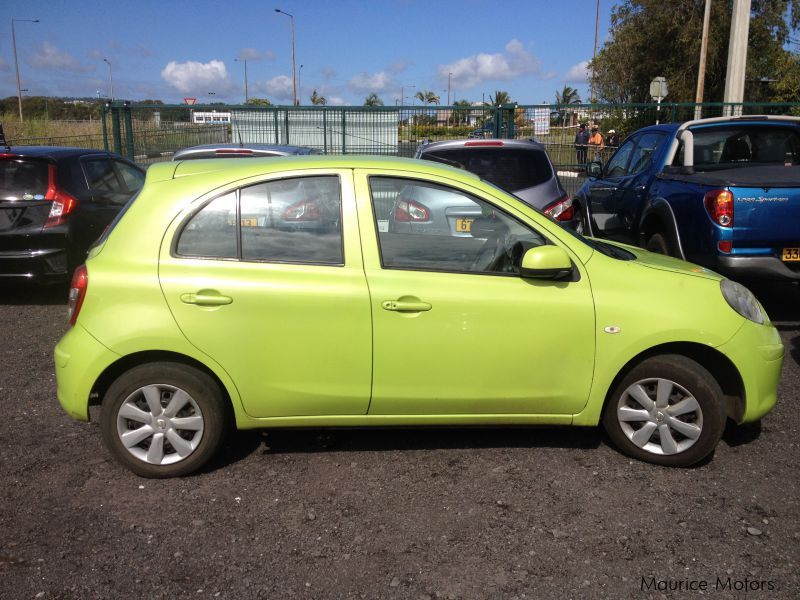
(520, 167)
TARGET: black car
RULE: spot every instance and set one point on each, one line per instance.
(54, 203)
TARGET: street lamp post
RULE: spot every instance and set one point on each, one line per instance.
(300, 83)
(16, 62)
(244, 60)
(294, 81)
(110, 78)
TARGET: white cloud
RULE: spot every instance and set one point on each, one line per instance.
(479, 68)
(278, 88)
(48, 56)
(336, 101)
(578, 73)
(196, 77)
(370, 82)
(253, 54)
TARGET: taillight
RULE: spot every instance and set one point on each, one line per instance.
(494, 143)
(561, 209)
(408, 211)
(77, 292)
(233, 152)
(304, 210)
(62, 202)
(719, 204)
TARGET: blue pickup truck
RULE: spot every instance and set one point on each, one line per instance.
(723, 193)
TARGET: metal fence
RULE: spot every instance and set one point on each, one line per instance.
(152, 133)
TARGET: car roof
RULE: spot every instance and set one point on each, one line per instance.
(490, 144)
(210, 148)
(236, 168)
(54, 152)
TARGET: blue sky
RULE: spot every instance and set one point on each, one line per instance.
(173, 49)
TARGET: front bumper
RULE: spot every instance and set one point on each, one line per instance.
(757, 352)
(765, 267)
(80, 360)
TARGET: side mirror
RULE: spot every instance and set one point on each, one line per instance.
(546, 262)
(595, 168)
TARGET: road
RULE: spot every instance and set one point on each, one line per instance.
(539, 513)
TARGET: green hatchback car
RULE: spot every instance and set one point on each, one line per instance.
(274, 293)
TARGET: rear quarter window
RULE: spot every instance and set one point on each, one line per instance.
(22, 179)
(511, 169)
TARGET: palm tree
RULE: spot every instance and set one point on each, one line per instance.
(427, 97)
(500, 97)
(461, 114)
(318, 100)
(259, 102)
(569, 95)
(373, 100)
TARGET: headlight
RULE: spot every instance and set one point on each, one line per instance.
(742, 301)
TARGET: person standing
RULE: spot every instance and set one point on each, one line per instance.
(581, 144)
(612, 141)
(596, 143)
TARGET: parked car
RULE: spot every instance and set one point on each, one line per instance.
(54, 203)
(355, 326)
(520, 167)
(241, 151)
(722, 192)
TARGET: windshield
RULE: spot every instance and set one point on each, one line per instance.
(743, 146)
(512, 169)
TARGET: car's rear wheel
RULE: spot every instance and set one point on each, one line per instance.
(163, 419)
(667, 410)
(658, 243)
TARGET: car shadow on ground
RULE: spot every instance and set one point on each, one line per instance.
(23, 293)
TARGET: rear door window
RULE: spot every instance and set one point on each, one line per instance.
(511, 169)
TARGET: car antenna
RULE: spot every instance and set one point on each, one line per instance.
(3, 141)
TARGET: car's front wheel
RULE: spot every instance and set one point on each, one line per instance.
(163, 419)
(667, 410)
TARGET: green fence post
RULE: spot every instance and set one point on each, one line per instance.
(105, 127)
(325, 130)
(275, 124)
(344, 135)
(286, 126)
(115, 128)
(126, 110)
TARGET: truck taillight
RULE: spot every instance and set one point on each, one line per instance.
(410, 211)
(719, 204)
(77, 292)
(304, 210)
(561, 209)
(62, 203)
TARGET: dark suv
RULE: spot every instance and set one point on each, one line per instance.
(54, 203)
(520, 167)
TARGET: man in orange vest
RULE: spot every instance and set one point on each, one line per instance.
(596, 143)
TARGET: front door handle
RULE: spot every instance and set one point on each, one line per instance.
(406, 305)
(206, 298)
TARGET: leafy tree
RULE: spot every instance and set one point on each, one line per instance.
(373, 100)
(427, 97)
(651, 38)
(318, 100)
(460, 115)
(259, 102)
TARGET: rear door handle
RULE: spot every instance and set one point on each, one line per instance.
(206, 298)
(406, 305)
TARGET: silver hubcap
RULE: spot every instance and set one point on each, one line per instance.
(160, 424)
(660, 416)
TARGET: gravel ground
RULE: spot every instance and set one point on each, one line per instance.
(388, 514)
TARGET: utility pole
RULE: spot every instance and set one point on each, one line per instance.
(596, 26)
(449, 75)
(294, 80)
(701, 70)
(110, 79)
(737, 57)
(244, 60)
(16, 62)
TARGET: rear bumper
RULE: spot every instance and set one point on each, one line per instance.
(767, 267)
(45, 263)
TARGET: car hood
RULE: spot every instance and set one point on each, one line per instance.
(661, 262)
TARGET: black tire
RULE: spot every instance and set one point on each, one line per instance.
(689, 377)
(166, 379)
(658, 243)
(581, 225)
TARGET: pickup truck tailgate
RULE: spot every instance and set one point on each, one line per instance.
(766, 217)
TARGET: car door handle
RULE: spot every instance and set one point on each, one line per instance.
(405, 305)
(206, 298)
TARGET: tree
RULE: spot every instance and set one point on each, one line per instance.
(318, 100)
(427, 97)
(652, 38)
(373, 100)
(569, 95)
(460, 116)
(258, 102)
(500, 97)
